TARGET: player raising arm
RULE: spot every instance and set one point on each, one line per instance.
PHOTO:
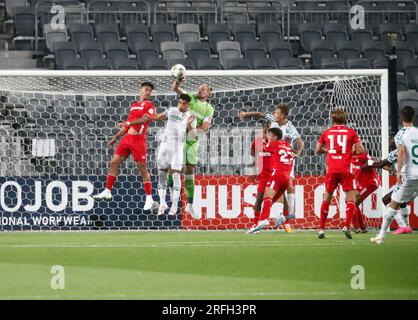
(203, 111)
(407, 171)
(134, 141)
(171, 151)
(290, 134)
(281, 163)
(337, 143)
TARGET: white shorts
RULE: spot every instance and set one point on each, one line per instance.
(406, 192)
(170, 156)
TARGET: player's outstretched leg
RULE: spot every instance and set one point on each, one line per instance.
(106, 194)
(162, 191)
(323, 219)
(146, 179)
(176, 192)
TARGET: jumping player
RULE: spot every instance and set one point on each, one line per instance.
(134, 142)
(171, 151)
(407, 171)
(279, 120)
(263, 165)
(203, 111)
(337, 142)
(281, 163)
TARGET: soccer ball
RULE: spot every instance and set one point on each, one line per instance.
(178, 71)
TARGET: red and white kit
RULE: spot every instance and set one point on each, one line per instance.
(137, 144)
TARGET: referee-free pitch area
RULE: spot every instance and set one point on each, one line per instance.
(206, 265)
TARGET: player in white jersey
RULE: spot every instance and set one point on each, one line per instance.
(279, 120)
(407, 171)
(180, 123)
(402, 215)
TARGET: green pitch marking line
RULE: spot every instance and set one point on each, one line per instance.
(206, 265)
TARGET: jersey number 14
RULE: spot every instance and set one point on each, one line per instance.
(341, 141)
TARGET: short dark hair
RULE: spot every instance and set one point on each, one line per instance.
(185, 97)
(147, 84)
(283, 108)
(277, 132)
(407, 114)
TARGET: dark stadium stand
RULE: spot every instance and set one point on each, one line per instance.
(208, 34)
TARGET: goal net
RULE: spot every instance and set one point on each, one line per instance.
(55, 125)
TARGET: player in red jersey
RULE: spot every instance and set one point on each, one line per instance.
(258, 147)
(337, 142)
(134, 142)
(366, 182)
(281, 163)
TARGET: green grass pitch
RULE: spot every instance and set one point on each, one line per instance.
(206, 265)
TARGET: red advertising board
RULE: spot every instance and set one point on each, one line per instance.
(225, 202)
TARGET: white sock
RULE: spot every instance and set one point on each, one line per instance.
(162, 193)
(405, 215)
(280, 208)
(387, 221)
(176, 188)
(291, 203)
(162, 186)
(399, 219)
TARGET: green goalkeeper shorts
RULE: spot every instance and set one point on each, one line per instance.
(192, 152)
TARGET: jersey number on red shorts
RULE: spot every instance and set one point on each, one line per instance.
(341, 141)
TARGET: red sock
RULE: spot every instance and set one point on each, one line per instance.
(285, 213)
(147, 187)
(265, 212)
(356, 218)
(256, 216)
(110, 181)
(324, 214)
(359, 215)
(349, 212)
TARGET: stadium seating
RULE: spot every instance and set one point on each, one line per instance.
(347, 50)
(331, 63)
(188, 32)
(238, 64)
(197, 50)
(145, 52)
(264, 64)
(81, 32)
(253, 49)
(308, 34)
(95, 63)
(107, 32)
(24, 20)
(269, 32)
(172, 50)
(162, 33)
(217, 33)
(136, 34)
(321, 49)
(90, 49)
(54, 35)
(208, 64)
(228, 50)
(290, 63)
(64, 51)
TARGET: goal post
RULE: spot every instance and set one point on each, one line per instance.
(55, 124)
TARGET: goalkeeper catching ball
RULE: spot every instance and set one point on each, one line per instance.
(203, 112)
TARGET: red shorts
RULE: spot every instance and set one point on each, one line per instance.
(279, 184)
(263, 179)
(332, 180)
(366, 190)
(135, 144)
